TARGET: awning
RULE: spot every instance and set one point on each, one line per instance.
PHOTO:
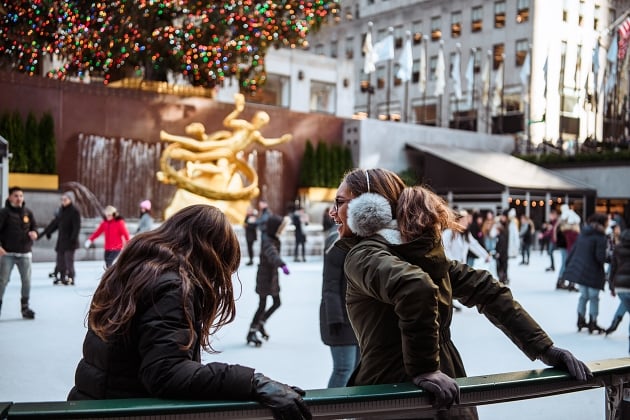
(460, 171)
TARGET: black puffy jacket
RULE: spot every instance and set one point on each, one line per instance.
(149, 360)
(585, 262)
(620, 264)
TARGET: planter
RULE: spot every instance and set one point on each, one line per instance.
(34, 181)
(317, 194)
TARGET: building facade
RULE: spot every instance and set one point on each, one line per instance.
(506, 66)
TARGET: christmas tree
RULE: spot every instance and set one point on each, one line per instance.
(204, 41)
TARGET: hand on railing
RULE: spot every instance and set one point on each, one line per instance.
(442, 387)
(284, 401)
(563, 359)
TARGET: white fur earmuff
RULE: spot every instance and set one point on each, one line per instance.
(368, 213)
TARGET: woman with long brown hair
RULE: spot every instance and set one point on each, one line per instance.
(157, 306)
(401, 286)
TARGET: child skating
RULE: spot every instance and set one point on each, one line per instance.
(267, 283)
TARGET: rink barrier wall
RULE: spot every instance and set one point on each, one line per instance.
(374, 401)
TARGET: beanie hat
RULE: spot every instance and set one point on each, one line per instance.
(70, 195)
(145, 205)
(110, 210)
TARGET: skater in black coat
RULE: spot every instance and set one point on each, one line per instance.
(68, 222)
(267, 283)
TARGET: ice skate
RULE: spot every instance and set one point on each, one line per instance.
(253, 338)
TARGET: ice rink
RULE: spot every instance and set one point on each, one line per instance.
(38, 357)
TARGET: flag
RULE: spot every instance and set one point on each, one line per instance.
(456, 76)
(524, 76)
(498, 89)
(422, 85)
(470, 73)
(611, 58)
(485, 80)
(384, 49)
(405, 61)
(440, 69)
(368, 60)
(624, 36)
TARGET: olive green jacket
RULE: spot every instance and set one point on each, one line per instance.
(399, 300)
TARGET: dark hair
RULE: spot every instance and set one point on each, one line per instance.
(416, 208)
(14, 189)
(598, 218)
(198, 244)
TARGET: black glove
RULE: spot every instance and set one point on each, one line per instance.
(443, 388)
(335, 328)
(563, 359)
(285, 401)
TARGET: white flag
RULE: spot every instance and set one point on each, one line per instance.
(405, 61)
(524, 75)
(368, 60)
(456, 75)
(440, 77)
(383, 49)
(422, 79)
(470, 73)
(485, 80)
(498, 89)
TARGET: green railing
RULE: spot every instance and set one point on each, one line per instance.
(374, 401)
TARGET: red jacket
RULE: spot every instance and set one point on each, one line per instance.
(116, 234)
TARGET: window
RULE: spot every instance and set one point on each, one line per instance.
(563, 61)
(522, 11)
(596, 17)
(476, 19)
(415, 71)
(477, 62)
(499, 14)
(581, 14)
(349, 47)
(456, 24)
(436, 28)
(416, 32)
(399, 36)
(565, 11)
(363, 43)
(498, 50)
(333, 48)
(276, 91)
(323, 97)
(319, 49)
(432, 67)
(522, 47)
(380, 77)
(397, 81)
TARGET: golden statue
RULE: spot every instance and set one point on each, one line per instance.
(213, 169)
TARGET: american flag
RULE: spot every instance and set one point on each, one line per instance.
(624, 37)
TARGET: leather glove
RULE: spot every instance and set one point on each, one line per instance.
(563, 359)
(335, 328)
(442, 388)
(285, 269)
(284, 401)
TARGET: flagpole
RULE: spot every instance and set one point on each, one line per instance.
(472, 91)
(425, 39)
(408, 76)
(502, 90)
(528, 105)
(488, 116)
(458, 47)
(389, 77)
